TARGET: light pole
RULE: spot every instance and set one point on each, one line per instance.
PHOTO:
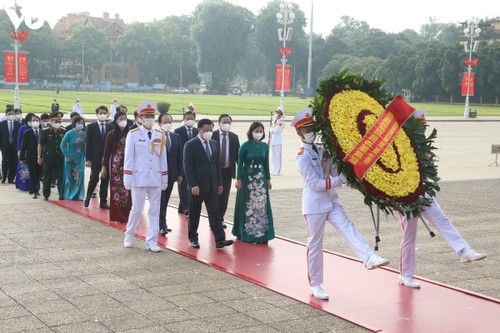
(285, 16)
(309, 59)
(17, 100)
(471, 31)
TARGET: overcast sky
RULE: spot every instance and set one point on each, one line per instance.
(387, 15)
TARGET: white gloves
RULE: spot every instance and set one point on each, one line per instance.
(128, 186)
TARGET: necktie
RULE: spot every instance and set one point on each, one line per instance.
(11, 132)
(315, 149)
(103, 130)
(207, 150)
(36, 134)
(190, 133)
(167, 139)
(223, 158)
(149, 135)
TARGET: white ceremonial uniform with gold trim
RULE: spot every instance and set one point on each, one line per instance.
(276, 143)
(146, 174)
(320, 204)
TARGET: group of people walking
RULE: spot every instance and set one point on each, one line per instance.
(139, 161)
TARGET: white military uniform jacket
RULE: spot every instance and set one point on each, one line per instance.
(145, 160)
(277, 131)
(112, 110)
(319, 180)
(78, 108)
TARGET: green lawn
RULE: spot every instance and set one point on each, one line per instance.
(39, 102)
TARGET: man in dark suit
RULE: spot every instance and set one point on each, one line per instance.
(229, 145)
(94, 144)
(29, 154)
(202, 169)
(55, 106)
(186, 132)
(174, 162)
(9, 129)
(137, 121)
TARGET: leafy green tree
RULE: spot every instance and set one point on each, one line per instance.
(221, 31)
(398, 70)
(427, 82)
(488, 72)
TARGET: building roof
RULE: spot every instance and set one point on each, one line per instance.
(112, 27)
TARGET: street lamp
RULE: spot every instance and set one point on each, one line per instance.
(285, 16)
(471, 31)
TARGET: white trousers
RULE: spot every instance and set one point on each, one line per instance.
(138, 199)
(276, 158)
(316, 227)
(435, 216)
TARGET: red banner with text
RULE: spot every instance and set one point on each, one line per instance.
(471, 84)
(10, 67)
(279, 77)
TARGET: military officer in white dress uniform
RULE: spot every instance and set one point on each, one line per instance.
(113, 108)
(320, 204)
(435, 215)
(276, 140)
(145, 174)
(77, 107)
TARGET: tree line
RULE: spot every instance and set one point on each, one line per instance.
(227, 45)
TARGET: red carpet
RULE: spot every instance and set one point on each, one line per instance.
(371, 299)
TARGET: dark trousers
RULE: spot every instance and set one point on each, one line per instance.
(165, 197)
(224, 197)
(95, 171)
(48, 171)
(183, 195)
(35, 172)
(211, 202)
(9, 163)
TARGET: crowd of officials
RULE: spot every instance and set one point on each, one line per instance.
(143, 159)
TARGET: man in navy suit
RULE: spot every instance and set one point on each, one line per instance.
(202, 169)
(94, 149)
(174, 162)
(229, 145)
(8, 144)
(29, 152)
(187, 131)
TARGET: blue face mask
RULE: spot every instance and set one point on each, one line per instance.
(79, 127)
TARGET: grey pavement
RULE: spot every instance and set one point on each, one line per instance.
(61, 272)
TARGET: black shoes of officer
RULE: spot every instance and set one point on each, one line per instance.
(86, 203)
(195, 244)
(220, 244)
(165, 231)
(104, 205)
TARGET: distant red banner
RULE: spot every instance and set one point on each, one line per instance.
(10, 67)
(379, 137)
(471, 84)
(279, 77)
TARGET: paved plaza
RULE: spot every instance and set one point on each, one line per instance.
(61, 272)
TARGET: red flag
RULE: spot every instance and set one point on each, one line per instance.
(471, 85)
(279, 77)
(20, 36)
(472, 62)
(285, 51)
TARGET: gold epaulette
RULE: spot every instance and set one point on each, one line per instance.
(135, 129)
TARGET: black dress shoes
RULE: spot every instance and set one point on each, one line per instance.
(86, 203)
(224, 225)
(94, 195)
(165, 231)
(220, 244)
(195, 244)
(104, 206)
(61, 197)
(35, 195)
(186, 212)
(45, 198)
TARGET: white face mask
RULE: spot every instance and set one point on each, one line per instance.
(11, 117)
(122, 123)
(46, 124)
(225, 127)
(257, 135)
(18, 116)
(207, 135)
(309, 137)
(166, 127)
(35, 124)
(56, 125)
(149, 122)
(189, 123)
(102, 117)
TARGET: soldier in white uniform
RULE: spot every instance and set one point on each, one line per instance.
(112, 108)
(77, 107)
(435, 215)
(320, 204)
(276, 140)
(145, 173)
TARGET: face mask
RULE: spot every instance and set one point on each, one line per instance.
(226, 127)
(149, 122)
(189, 123)
(309, 137)
(102, 117)
(56, 125)
(257, 136)
(35, 124)
(18, 116)
(207, 135)
(29, 123)
(11, 117)
(79, 127)
(166, 127)
(46, 124)
(122, 123)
